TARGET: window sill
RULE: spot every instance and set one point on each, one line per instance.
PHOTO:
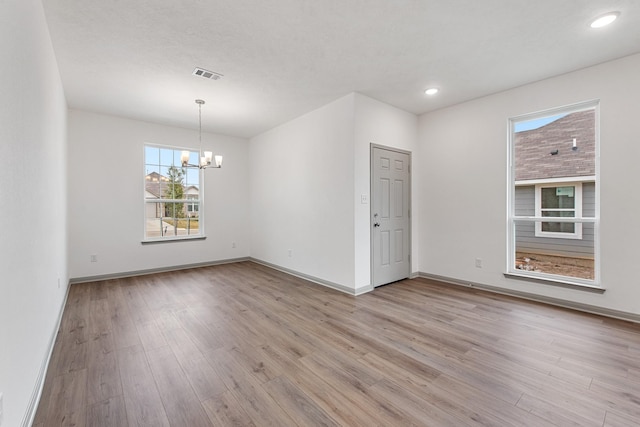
(173, 239)
(568, 236)
(566, 283)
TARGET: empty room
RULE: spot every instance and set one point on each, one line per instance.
(414, 212)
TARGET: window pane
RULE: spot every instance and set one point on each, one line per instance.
(175, 210)
(181, 226)
(193, 158)
(164, 171)
(559, 227)
(191, 192)
(166, 157)
(153, 219)
(192, 176)
(152, 154)
(192, 225)
(574, 258)
(177, 157)
(559, 214)
(163, 190)
(558, 197)
(558, 146)
(150, 169)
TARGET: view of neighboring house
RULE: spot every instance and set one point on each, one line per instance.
(192, 207)
(156, 186)
(555, 177)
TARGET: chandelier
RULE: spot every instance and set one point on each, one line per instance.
(205, 157)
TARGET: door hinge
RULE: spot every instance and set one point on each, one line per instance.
(409, 257)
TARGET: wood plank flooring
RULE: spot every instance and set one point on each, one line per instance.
(244, 345)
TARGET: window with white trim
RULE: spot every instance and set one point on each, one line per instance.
(560, 200)
(172, 195)
(553, 200)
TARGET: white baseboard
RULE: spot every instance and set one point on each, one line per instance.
(153, 270)
(317, 280)
(328, 284)
(607, 312)
(32, 408)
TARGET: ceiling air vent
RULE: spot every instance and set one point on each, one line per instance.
(206, 73)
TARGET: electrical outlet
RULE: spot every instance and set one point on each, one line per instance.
(233, 245)
(478, 263)
(94, 258)
(290, 253)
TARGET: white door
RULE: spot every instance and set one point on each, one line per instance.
(390, 215)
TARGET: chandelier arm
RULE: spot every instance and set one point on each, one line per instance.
(204, 158)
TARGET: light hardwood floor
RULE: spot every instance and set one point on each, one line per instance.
(241, 344)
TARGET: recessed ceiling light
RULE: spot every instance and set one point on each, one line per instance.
(431, 91)
(604, 20)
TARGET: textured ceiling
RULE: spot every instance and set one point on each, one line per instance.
(283, 58)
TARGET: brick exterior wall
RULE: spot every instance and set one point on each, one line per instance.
(533, 148)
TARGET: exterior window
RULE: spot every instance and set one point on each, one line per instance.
(554, 195)
(172, 195)
(193, 205)
(560, 201)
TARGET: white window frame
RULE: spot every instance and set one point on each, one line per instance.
(186, 201)
(512, 219)
(577, 209)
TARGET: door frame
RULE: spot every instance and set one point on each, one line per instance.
(371, 206)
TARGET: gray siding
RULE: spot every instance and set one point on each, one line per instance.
(525, 200)
(526, 241)
(589, 199)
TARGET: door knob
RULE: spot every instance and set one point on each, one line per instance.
(376, 224)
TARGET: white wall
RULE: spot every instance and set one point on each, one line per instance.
(463, 162)
(382, 124)
(106, 210)
(33, 243)
(302, 194)
(307, 179)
